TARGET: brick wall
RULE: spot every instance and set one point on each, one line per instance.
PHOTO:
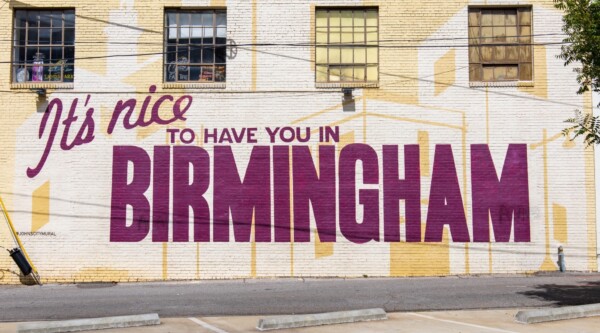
(423, 97)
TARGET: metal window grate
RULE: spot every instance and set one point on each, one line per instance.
(44, 45)
(195, 45)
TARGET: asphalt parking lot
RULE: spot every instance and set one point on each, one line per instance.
(471, 321)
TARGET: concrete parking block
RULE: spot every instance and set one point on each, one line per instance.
(292, 321)
(88, 324)
(552, 314)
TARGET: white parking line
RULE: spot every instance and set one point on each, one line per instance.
(207, 325)
(460, 323)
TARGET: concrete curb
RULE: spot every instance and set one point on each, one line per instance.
(88, 324)
(567, 312)
(292, 321)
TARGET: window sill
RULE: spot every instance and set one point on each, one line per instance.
(347, 85)
(42, 85)
(194, 85)
(499, 84)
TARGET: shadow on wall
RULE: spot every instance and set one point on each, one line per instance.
(585, 293)
(26, 280)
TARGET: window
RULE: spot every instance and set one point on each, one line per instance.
(195, 45)
(500, 44)
(44, 46)
(347, 45)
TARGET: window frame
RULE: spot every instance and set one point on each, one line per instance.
(15, 64)
(365, 45)
(478, 44)
(165, 64)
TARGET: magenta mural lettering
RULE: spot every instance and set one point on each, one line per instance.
(289, 190)
(240, 200)
(505, 199)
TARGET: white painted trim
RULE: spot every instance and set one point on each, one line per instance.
(207, 325)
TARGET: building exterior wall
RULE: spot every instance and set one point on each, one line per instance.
(424, 98)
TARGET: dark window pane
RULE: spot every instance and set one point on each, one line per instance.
(32, 19)
(20, 35)
(44, 53)
(69, 36)
(56, 36)
(20, 19)
(56, 55)
(30, 56)
(220, 54)
(183, 54)
(196, 55)
(208, 55)
(171, 53)
(45, 19)
(32, 36)
(69, 19)
(220, 73)
(57, 21)
(69, 54)
(20, 55)
(195, 73)
(44, 36)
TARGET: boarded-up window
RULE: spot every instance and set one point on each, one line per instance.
(347, 45)
(500, 44)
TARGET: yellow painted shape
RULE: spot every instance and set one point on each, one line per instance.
(218, 3)
(101, 274)
(420, 259)
(423, 140)
(444, 70)
(40, 207)
(322, 249)
(559, 222)
(540, 74)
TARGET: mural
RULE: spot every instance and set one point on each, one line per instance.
(267, 176)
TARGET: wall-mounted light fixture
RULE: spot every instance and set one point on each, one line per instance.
(348, 104)
(40, 92)
(348, 93)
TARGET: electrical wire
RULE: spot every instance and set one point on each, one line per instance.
(423, 40)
